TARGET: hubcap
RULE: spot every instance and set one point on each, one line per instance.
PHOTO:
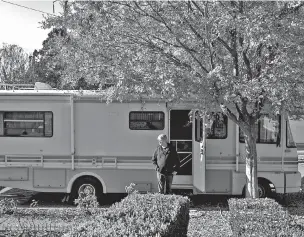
(86, 190)
(261, 191)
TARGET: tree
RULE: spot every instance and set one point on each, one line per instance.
(48, 67)
(45, 65)
(14, 64)
(245, 57)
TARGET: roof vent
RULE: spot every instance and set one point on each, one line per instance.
(42, 86)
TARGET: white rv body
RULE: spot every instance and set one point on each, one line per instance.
(93, 138)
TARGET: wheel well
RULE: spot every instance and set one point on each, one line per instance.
(266, 181)
(261, 180)
(81, 175)
(88, 177)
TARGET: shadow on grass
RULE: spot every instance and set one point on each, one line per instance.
(293, 202)
(56, 199)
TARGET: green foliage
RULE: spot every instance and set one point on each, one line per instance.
(253, 203)
(140, 215)
(45, 65)
(14, 64)
(8, 206)
(130, 189)
(87, 203)
(231, 53)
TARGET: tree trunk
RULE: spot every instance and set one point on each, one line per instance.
(251, 161)
(247, 124)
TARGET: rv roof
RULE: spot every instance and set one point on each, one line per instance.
(77, 93)
(52, 92)
(90, 94)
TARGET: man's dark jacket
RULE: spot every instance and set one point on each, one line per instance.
(166, 162)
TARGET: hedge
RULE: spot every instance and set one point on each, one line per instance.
(140, 215)
(259, 217)
(253, 203)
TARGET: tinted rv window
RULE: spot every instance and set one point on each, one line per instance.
(268, 131)
(26, 124)
(144, 120)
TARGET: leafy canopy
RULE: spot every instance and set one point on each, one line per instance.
(236, 54)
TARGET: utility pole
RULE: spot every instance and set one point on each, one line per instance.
(64, 7)
(54, 6)
(65, 13)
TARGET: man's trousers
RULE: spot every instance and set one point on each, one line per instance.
(164, 183)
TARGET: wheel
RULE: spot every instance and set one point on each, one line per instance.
(86, 186)
(264, 189)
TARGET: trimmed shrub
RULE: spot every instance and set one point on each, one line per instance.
(252, 203)
(8, 206)
(140, 215)
(257, 217)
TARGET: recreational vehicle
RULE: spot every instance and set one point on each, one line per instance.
(73, 141)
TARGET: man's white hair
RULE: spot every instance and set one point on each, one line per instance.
(162, 137)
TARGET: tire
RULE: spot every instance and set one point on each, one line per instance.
(86, 185)
(264, 189)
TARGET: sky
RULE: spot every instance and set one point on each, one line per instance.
(21, 26)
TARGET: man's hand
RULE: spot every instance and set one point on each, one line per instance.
(174, 173)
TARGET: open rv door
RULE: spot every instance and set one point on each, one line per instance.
(199, 153)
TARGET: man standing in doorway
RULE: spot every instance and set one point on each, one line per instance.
(166, 163)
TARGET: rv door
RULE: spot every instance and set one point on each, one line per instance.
(199, 154)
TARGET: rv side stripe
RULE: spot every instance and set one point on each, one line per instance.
(125, 162)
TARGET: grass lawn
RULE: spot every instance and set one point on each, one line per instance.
(209, 223)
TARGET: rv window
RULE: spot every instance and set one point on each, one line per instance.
(268, 131)
(290, 143)
(144, 120)
(26, 124)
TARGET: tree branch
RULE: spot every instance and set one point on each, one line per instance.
(198, 8)
(166, 42)
(230, 115)
(173, 58)
(211, 58)
(228, 10)
(234, 51)
(4, 74)
(224, 43)
(239, 111)
(179, 41)
(292, 10)
(245, 58)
